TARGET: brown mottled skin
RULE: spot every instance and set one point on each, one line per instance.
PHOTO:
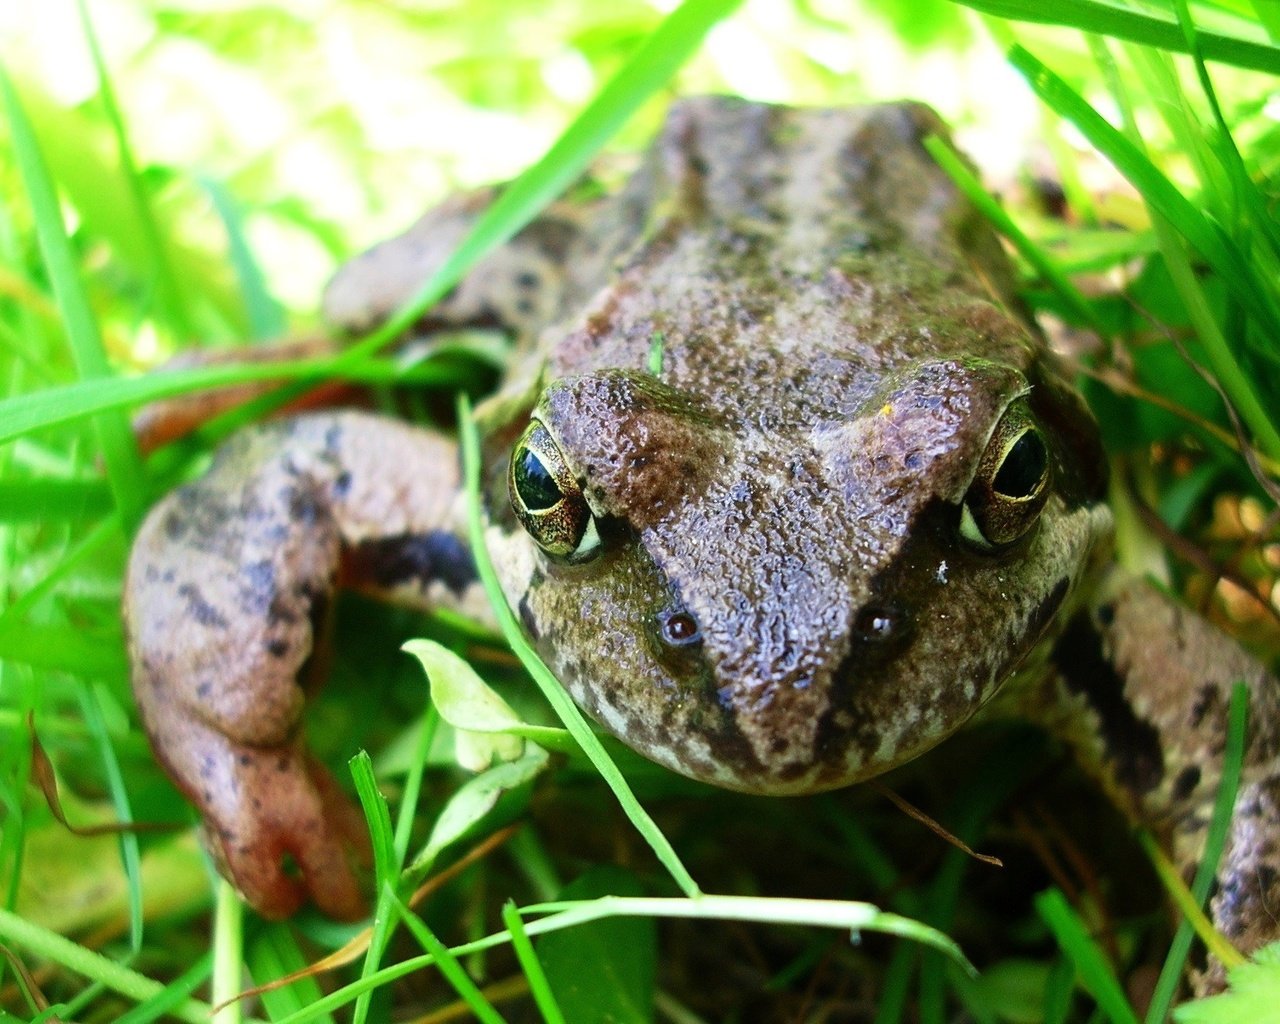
(781, 588)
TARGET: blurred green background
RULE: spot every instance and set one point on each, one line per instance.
(271, 141)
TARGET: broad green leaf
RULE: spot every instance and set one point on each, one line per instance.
(482, 719)
(622, 951)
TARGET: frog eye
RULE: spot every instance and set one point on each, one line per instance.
(1011, 485)
(547, 499)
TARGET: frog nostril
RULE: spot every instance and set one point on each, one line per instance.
(679, 628)
(876, 624)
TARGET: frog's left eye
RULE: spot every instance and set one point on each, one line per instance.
(1011, 485)
(547, 499)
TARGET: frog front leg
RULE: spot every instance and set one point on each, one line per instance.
(1142, 688)
(226, 583)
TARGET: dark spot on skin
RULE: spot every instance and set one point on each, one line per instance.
(1207, 699)
(200, 609)
(204, 689)
(277, 648)
(1132, 745)
(282, 763)
(304, 506)
(1186, 782)
(175, 526)
(259, 586)
(1048, 608)
(279, 613)
(1106, 614)
(526, 617)
(245, 760)
(418, 558)
(525, 306)
(527, 280)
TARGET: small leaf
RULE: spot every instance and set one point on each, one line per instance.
(483, 720)
(1253, 994)
(474, 800)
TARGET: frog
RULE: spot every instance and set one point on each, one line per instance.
(783, 482)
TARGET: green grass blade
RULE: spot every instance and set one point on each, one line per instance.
(453, 972)
(48, 501)
(129, 983)
(1095, 972)
(1234, 40)
(969, 184)
(539, 987)
(64, 649)
(172, 302)
(1268, 12)
(846, 916)
(161, 1006)
(378, 816)
(386, 872)
(550, 686)
(61, 405)
(266, 317)
(1205, 236)
(84, 548)
(228, 955)
(274, 953)
(91, 709)
(119, 451)
(413, 783)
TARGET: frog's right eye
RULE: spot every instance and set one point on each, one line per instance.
(1011, 485)
(547, 499)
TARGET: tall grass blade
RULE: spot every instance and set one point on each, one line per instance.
(172, 301)
(1200, 232)
(266, 317)
(1231, 39)
(119, 452)
(1095, 972)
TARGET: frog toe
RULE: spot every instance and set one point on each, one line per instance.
(290, 837)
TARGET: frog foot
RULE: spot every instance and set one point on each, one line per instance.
(308, 842)
(227, 592)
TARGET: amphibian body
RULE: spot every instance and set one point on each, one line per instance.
(855, 500)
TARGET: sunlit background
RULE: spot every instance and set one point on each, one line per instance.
(338, 121)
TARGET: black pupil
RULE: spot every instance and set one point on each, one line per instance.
(1023, 467)
(533, 483)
